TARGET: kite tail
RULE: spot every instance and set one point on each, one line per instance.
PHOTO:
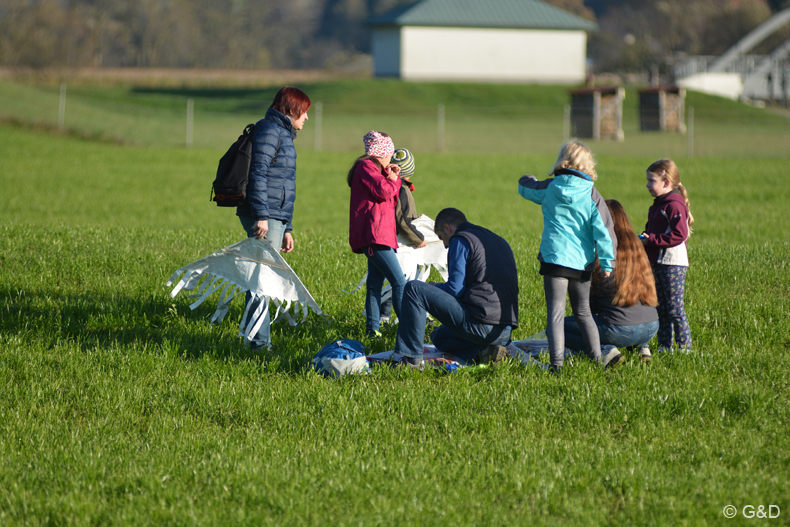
(257, 318)
(359, 285)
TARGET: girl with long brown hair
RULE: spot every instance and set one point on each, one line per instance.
(623, 304)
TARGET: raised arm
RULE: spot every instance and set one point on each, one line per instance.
(530, 188)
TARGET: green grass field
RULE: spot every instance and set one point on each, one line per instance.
(120, 406)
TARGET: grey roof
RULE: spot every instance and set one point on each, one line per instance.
(522, 14)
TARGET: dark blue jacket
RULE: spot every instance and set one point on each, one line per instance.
(271, 188)
(490, 293)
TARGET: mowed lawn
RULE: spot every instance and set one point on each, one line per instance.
(121, 406)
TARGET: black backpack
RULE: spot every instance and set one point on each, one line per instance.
(230, 186)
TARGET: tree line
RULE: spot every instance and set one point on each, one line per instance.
(263, 34)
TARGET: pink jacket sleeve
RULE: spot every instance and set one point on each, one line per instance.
(371, 178)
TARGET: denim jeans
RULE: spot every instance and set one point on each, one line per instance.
(612, 335)
(382, 264)
(459, 334)
(274, 236)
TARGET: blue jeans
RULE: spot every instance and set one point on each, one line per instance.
(382, 264)
(459, 334)
(262, 339)
(612, 335)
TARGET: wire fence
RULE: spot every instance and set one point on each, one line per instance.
(534, 130)
(746, 132)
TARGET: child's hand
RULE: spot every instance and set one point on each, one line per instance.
(530, 176)
(606, 274)
(420, 245)
(392, 171)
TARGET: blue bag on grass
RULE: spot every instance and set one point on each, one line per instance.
(340, 358)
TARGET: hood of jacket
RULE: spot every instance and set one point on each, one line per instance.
(571, 186)
(673, 195)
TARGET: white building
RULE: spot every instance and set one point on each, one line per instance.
(481, 40)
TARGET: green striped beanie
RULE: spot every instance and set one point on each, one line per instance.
(405, 160)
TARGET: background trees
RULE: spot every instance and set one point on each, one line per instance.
(259, 34)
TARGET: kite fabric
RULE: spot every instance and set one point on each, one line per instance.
(250, 265)
(416, 263)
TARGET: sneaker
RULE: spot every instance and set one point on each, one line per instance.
(555, 370)
(491, 355)
(664, 349)
(407, 362)
(644, 351)
(685, 349)
(611, 359)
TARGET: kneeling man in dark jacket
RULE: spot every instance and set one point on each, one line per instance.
(477, 306)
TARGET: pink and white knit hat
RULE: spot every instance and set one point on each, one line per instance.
(378, 145)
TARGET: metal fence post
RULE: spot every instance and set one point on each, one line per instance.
(319, 110)
(62, 108)
(596, 131)
(190, 117)
(440, 129)
(691, 131)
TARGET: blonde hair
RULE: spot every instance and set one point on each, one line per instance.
(667, 169)
(576, 156)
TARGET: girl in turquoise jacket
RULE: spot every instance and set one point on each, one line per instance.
(577, 226)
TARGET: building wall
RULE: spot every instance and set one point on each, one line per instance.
(728, 85)
(479, 54)
(386, 52)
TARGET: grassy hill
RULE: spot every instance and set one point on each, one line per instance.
(477, 117)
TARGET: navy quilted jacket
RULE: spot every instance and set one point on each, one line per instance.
(271, 188)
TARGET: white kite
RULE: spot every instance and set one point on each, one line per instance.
(249, 265)
(416, 263)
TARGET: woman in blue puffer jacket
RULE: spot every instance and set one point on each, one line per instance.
(271, 187)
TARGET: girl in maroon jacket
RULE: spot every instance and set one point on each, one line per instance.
(668, 227)
(375, 183)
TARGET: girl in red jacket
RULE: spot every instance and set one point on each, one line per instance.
(668, 227)
(375, 183)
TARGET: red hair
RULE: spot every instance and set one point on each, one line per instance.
(633, 276)
(291, 101)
